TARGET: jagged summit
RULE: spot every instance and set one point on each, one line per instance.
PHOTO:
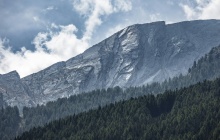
(137, 55)
(15, 93)
(12, 74)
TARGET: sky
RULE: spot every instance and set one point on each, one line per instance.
(37, 34)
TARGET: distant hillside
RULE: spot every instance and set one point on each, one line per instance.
(188, 113)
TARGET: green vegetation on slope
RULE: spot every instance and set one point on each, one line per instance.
(188, 113)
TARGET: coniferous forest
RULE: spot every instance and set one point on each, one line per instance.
(9, 122)
(188, 113)
(158, 110)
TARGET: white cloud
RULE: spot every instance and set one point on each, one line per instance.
(122, 5)
(62, 44)
(190, 13)
(204, 9)
(35, 18)
(155, 17)
(211, 10)
(65, 44)
(50, 8)
(95, 9)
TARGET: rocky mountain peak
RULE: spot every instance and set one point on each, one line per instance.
(137, 55)
(14, 91)
(11, 75)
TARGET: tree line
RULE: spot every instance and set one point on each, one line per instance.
(188, 113)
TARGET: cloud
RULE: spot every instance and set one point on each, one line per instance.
(65, 44)
(189, 12)
(35, 18)
(50, 8)
(203, 9)
(211, 10)
(60, 42)
(61, 46)
(95, 9)
(155, 17)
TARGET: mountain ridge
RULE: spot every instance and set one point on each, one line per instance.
(206, 68)
(137, 55)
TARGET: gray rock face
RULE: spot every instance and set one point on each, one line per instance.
(1, 101)
(137, 55)
(15, 93)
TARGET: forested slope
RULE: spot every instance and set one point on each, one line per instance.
(188, 113)
(9, 122)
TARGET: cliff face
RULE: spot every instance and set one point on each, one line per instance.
(137, 55)
(14, 92)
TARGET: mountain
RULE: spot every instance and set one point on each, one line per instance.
(188, 113)
(206, 67)
(15, 93)
(137, 55)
